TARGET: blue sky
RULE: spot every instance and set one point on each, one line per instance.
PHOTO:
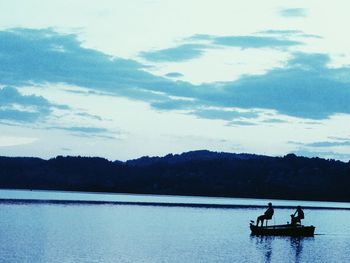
(123, 79)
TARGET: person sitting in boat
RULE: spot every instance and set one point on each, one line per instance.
(297, 216)
(266, 216)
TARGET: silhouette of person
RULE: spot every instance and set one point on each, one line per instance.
(297, 216)
(267, 215)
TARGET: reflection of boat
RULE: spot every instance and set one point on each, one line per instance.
(283, 230)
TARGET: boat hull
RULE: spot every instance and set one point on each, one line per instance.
(283, 230)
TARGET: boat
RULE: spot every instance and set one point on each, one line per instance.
(283, 230)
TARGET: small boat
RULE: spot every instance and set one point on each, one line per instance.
(283, 230)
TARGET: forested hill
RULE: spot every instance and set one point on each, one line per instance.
(202, 173)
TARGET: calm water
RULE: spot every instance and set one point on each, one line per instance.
(33, 232)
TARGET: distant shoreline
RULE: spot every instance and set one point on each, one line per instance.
(161, 195)
(197, 173)
(162, 204)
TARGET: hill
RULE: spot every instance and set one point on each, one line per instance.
(201, 173)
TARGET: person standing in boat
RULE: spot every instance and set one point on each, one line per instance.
(297, 216)
(266, 216)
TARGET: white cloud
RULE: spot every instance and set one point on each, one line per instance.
(226, 64)
(6, 141)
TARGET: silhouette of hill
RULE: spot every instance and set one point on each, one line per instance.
(202, 173)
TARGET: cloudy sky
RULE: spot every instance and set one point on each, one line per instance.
(123, 79)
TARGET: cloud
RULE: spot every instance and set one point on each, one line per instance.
(288, 32)
(44, 56)
(202, 42)
(66, 149)
(329, 144)
(281, 32)
(241, 123)
(293, 12)
(18, 108)
(203, 110)
(305, 87)
(323, 149)
(174, 75)
(176, 54)
(22, 108)
(32, 55)
(274, 120)
(224, 114)
(89, 116)
(254, 42)
(325, 155)
(174, 104)
(86, 131)
(250, 41)
(10, 95)
(6, 141)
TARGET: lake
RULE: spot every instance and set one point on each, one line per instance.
(89, 231)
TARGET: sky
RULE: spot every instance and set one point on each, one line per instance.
(125, 79)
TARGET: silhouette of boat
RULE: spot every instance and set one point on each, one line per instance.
(283, 230)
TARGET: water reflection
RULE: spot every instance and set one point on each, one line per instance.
(296, 245)
(265, 246)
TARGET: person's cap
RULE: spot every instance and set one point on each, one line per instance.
(270, 204)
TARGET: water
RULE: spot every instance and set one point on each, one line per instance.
(44, 232)
(79, 196)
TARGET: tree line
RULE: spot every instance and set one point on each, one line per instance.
(199, 173)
